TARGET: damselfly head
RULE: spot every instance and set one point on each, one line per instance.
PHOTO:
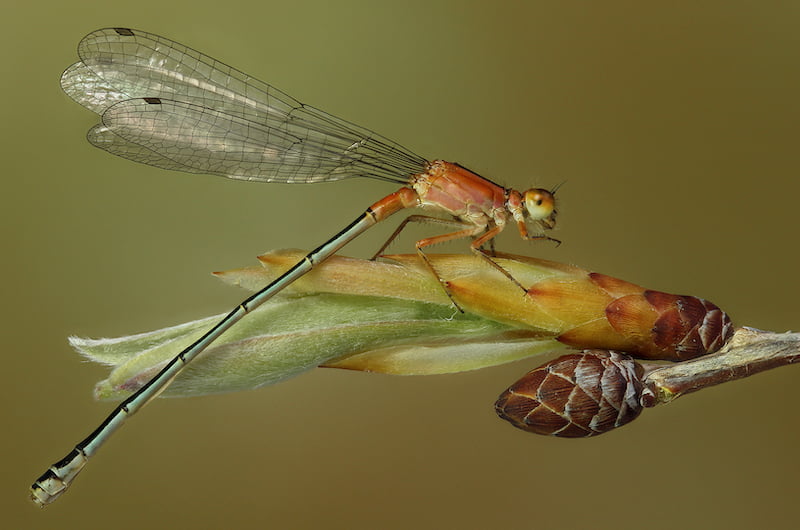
(541, 206)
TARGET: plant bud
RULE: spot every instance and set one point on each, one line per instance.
(575, 396)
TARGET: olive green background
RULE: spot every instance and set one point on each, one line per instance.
(675, 131)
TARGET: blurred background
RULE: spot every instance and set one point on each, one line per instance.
(673, 129)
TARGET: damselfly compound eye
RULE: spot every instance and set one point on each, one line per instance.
(541, 205)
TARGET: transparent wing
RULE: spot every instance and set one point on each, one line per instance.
(175, 108)
(197, 139)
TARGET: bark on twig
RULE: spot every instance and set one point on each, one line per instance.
(749, 352)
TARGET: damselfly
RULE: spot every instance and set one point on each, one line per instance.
(170, 106)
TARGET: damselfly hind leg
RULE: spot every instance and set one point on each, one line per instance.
(416, 219)
(468, 230)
